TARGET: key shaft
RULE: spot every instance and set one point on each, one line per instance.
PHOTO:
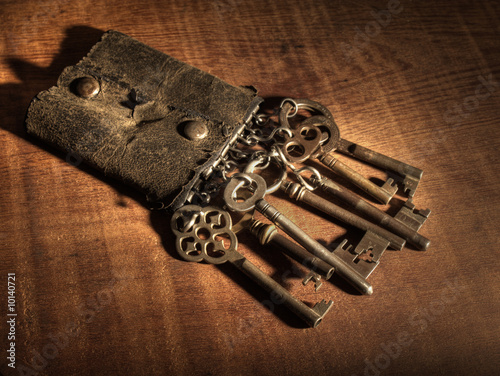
(377, 159)
(190, 221)
(312, 316)
(380, 217)
(311, 245)
(412, 174)
(354, 177)
(301, 194)
(268, 234)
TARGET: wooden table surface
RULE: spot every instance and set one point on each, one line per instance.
(99, 288)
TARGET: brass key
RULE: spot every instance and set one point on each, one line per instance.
(301, 194)
(411, 175)
(257, 185)
(377, 215)
(325, 153)
(200, 234)
(268, 234)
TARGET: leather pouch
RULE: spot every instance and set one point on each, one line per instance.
(139, 115)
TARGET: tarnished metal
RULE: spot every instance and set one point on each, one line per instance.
(383, 194)
(200, 236)
(311, 245)
(296, 191)
(366, 256)
(86, 87)
(380, 217)
(195, 130)
(410, 217)
(255, 184)
(268, 234)
(203, 234)
(181, 136)
(305, 141)
(312, 316)
(296, 233)
(324, 154)
(411, 175)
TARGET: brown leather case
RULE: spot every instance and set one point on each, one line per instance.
(133, 128)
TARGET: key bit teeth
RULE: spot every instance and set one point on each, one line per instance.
(410, 185)
(390, 187)
(315, 277)
(411, 217)
(391, 183)
(322, 307)
(342, 246)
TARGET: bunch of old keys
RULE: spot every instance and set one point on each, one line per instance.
(298, 131)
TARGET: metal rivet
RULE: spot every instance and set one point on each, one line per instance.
(87, 87)
(195, 130)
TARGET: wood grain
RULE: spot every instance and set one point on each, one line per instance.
(99, 288)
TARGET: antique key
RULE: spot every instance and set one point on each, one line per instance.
(393, 224)
(411, 175)
(324, 154)
(301, 194)
(205, 234)
(257, 186)
(379, 216)
(268, 234)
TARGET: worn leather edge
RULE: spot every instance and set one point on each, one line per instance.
(182, 190)
(180, 199)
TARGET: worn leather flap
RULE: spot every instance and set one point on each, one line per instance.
(133, 128)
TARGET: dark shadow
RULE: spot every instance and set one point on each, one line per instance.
(16, 97)
(262, 296)
(284, 272)
(161, 224)
(160, 221)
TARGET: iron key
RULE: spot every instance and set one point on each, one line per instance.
(198, 238)
(257, 185)
(268, 234)
(379, 216)
(411, 175)
(325, 153)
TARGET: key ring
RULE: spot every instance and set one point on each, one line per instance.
(247, 180)
(297, 171)
(252, 165)
(256, 137)
(300, 104)
(293, 103)
(261, 119)
(311, 106)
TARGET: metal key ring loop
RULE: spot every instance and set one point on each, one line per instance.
(235, 183)
(297, 171)
(252, 165)
(315, 175)
(312, 106)
(301, 104)
(293, 103)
